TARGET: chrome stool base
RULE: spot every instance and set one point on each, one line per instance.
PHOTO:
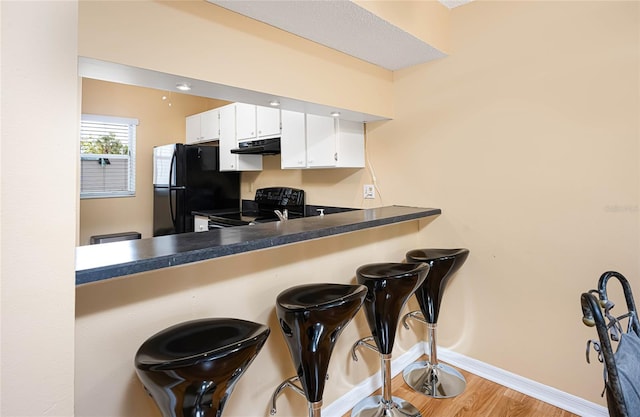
(436, 381)
(375, 406)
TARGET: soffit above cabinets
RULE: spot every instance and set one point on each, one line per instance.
(124, 74)
(344, 26)
(454, 3)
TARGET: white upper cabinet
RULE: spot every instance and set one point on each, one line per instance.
(350, 144)
(203, 127)
(193, 129)
(312, 141)
(245, 121)
(321, 142)
(256, 122)
(231, 161)
(210, 125)
(268, 122)
(293, 145)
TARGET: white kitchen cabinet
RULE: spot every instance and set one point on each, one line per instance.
(230, 161)
(245, 121)
(203, 127)
(350, 144)
(312, 141)
(321, 141)
(293, 145)
(268, 122)
(256, 122)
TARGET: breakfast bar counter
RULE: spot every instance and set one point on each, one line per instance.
(111, 260)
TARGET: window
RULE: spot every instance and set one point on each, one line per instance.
(107, 156)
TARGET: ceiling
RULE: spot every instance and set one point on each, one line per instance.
(344, 26)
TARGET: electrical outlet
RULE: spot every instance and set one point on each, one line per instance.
(369, 191)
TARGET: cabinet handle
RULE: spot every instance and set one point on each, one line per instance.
(335, 156)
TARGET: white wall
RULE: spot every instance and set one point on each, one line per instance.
(39, 206)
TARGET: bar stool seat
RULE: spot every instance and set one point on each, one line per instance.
(431, 377)
(312, 317)
(389, 286)
(190, 369)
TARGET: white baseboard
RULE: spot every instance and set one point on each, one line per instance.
(550, 395)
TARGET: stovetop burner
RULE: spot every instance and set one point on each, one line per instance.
(267, 200)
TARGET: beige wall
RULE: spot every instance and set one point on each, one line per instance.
(426, 20)
(159, 124)
(40, 116)
(526, 138)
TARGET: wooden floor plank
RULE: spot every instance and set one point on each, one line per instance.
(481, 398)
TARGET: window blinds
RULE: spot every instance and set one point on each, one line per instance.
(107, 156)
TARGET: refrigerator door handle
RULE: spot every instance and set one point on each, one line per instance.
(173, 216)
(171, 165)
(171, 189)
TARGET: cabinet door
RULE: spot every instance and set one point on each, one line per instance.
(193, 129)
(321, 141)
(350, 144)
(231, 161)
(245, 121)
(209, 125)
(293, 148)
(228, 160)
(267, 122)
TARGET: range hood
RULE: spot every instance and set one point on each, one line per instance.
(258, 147)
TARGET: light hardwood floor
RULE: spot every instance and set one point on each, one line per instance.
(481, 398)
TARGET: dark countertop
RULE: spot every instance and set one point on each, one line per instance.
(110, 260)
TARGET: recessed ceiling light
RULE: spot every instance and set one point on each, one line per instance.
(274, 103)
(335, 114)
(183, 86)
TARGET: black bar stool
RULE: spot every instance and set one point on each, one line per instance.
(190, 369)
(311, 318)
(389, 286)
(430, 377)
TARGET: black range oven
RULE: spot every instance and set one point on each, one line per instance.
(269, 205)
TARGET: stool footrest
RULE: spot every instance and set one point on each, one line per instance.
(413, 315)
(363, 342)
(287, 383)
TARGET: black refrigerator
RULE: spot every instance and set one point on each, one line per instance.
(187, 178)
